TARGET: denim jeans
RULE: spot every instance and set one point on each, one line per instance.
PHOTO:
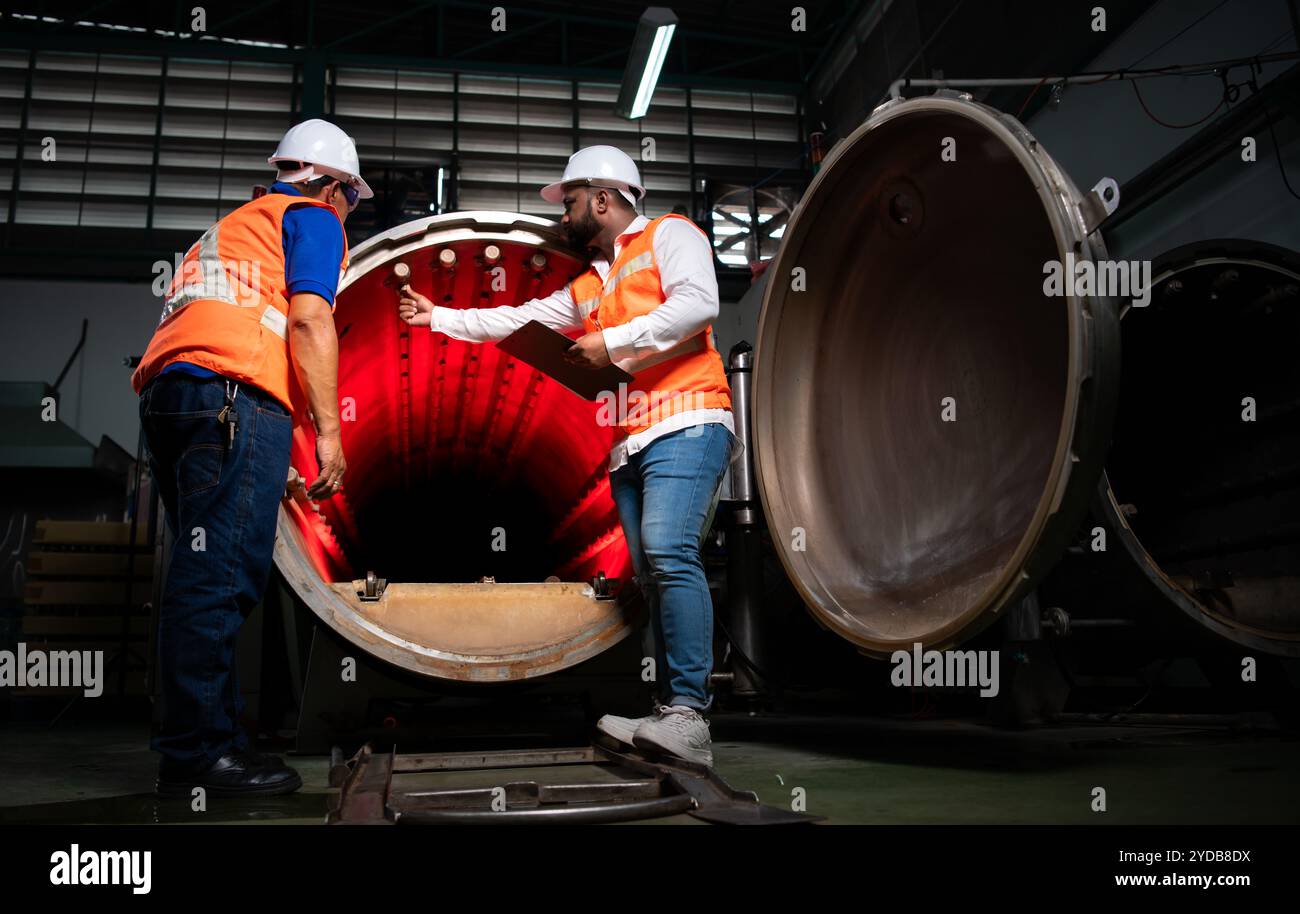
(221, 501)
(666, 495)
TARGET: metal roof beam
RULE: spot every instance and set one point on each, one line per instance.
(376, 26)
(508, 35)
(239, 17)
(211, 49)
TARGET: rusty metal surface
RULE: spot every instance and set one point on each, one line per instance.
(466, 632)
(924, 281)
(362, 790)
(488, 621)
(508, 758)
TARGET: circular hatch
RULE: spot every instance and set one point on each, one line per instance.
(477, 486)
(929, 423)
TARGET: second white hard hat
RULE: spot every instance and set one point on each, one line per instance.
(602, 166)
(324, 149)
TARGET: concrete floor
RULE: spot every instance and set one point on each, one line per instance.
(853, 770)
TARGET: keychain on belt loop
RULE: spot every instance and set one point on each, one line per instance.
(228, 416)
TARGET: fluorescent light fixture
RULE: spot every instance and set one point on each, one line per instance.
(438, 203)
(654, 33)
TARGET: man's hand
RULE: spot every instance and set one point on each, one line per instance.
(294, 483)
(314, 348)
(329, 456)
(413, 307)
(588, 351)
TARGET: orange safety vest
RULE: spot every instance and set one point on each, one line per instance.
(686, 377)
(227, 308)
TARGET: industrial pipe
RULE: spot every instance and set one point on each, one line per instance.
(475, 529)
(744, 539)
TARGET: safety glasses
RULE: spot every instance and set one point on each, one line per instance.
(352, 195)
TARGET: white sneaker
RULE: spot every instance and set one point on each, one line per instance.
(679, 731)
(622, 728)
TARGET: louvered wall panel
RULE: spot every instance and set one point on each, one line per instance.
(218, 122)
(89, 140)
(515, 134)
(13, 80)
(221, 119)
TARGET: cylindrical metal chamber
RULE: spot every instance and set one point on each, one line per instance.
(463, 464)
(1202, 485)
(929, 423)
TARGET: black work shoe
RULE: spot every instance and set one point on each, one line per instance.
(238, 773)
(263, 758)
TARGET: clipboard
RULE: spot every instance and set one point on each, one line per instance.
(543, 348)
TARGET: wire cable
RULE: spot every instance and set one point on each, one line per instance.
(1223, 100)
(1276, 41)
(1029, 97)
(1187, 28)
(1277, 152)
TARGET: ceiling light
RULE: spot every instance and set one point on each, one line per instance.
(649, 49)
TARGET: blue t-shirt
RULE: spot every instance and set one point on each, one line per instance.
(313, 250)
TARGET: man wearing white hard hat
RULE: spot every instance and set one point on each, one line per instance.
(645, 303)
(245, 349)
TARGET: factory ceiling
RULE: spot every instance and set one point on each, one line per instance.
(717, 40)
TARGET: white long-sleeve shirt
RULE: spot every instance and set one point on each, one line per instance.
(685, 265)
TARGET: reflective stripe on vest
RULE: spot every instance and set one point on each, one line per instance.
(587, 305)
(212, 281)
(685, 347)
(688, 376)
(213, 284)
(635, 265)
(276, 321)
(227, 308)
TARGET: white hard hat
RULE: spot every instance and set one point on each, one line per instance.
(323, 149)
(599, 166)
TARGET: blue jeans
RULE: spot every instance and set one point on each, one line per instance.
(221, 500)
(666, 495)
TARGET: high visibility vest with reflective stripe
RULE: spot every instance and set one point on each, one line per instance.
(688, 376)
(227, 308)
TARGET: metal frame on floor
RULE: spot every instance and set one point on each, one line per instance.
(367, 795)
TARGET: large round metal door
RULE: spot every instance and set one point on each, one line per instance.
(929, 422)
